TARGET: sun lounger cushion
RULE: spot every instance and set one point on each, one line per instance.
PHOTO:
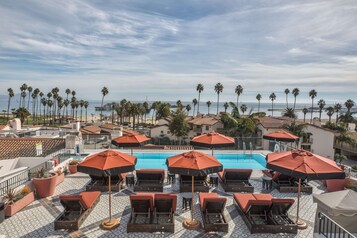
(205, 198)
(87, 199)
(167, 196)
(143, 196)
(245, 200)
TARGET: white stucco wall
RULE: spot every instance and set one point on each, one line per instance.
(322, 141)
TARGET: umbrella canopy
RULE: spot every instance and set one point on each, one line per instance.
(213, 140)
(282, 135)
(193, 163)
(338, 203)
(131, 140)
(305, 165)
(107, 163)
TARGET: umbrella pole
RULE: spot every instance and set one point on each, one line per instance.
(110, 224)
(300, 224)
(131, 151)
(192, 224)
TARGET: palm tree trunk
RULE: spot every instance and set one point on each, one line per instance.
(44, 115)
(287, 103)
(329, 119)
(312, 110)
(8, 108)
(304, 117)
(198, 105)
(320, 115)
(272, 108)
(28, 103)
(81, 114)
(259, 106)
(237, 100)
(194, 109)
(101, 108)
(208, 110)
(86, 115)
(294, 103)
(336, 117)
(217, 103)
(20, 100)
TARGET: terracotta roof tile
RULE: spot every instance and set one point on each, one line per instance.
(274, 122)
(11, 148)
(204, 121)
(92, 129)
(110, 126)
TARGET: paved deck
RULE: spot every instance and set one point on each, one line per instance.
(37, 220)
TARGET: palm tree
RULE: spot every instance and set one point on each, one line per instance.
(86, 104)
(33, 95)
(305, 111)
(312, 94)
(329, 111)
(23, 88)
(41, 96)
(179, 105)
(11, 94)
(321, 103)
(73, 93)
(49, 104)
(238, 91)
(66, 103)
(105, 91)
(208, 105)
(225, 105)
(349, 104)
(287, 91)
(146, 107)
(36, 92)
(272, 97)
(188, 108)
(73, 105)
(289, 112)
(337, 108)
(258, 97)
(81, 104)
(68, 92)
(296, 93)
(218, 88)
(44, 103)
(243, 108)
(29, 89)
(199, 89)
(194, 102)
(23, 95)
(22, 113)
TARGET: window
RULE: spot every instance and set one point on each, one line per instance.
(207, 128)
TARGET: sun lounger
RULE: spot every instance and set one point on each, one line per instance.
(149, 180)
(200, 184)
(77, 207)
(261, 213)
(287, 184)
(142, 206)
(164, 208)
(236, 180)
(101, 183)
(212, 209)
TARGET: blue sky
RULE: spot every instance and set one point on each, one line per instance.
(163, 49)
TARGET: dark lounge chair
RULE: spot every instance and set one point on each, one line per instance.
(200, 184)
(149, 180)
(163, 218)
(262, 216)
(287, 184)
(101, 183)
(236, 180)
(77, 207)
(142, 206)
(212, 209)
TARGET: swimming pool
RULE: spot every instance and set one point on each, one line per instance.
(158, 160)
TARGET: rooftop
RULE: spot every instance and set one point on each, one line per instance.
(37, 219)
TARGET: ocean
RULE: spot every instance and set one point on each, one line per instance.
(252, 106)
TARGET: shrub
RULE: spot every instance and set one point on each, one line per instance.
(354, 166)
(59, 171)
(74, 162)
(12, 196)
(26, 190)
(41, 173)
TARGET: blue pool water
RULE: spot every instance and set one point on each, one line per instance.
(158, 160)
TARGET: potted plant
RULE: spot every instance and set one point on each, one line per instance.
(16, 200)
(352, 186)
(45, 182)
(72, 166)
(60, 176)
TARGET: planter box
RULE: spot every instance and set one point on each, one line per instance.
(45, 187)
(334, 185)
(60, 178)
(72, 169)
(11, 210)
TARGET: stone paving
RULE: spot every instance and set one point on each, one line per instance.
(37, 220)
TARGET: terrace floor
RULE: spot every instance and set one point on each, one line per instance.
(37, 219)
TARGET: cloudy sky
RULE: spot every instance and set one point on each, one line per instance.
(163, 49)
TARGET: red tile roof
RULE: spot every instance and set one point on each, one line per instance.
(92, 129)
(11, 148)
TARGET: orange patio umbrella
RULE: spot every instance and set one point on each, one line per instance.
(108, 163)
(281, 135)
(303, 164)
(193, 163)
(213, 140)
(131, 140)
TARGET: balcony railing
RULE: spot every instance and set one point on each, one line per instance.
(14, 181)
(330, 229)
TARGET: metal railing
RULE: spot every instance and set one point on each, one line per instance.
(13, 182)
(330, 229)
